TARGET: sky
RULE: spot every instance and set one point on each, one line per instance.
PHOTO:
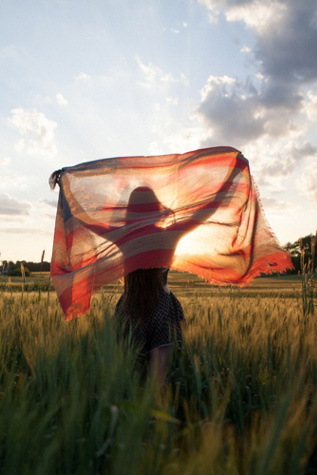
(88, 79)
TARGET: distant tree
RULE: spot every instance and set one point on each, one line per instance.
(305, 245)
(16, 271)
(32, 266)
(38, 266)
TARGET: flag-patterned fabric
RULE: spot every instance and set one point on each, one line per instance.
(197, 212)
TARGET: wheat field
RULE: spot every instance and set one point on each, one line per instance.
(240, 396)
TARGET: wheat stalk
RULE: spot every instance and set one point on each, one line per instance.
(23, 279)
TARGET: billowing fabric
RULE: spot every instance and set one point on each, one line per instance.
(162, 328)
(197, 212)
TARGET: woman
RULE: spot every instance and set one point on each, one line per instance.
(152, 315)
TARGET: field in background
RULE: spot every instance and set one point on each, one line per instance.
(240, 397)
(182, 283)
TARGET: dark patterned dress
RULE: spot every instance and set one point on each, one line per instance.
(162, 328)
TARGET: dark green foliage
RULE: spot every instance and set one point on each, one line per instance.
(16, 272)
(303, 246)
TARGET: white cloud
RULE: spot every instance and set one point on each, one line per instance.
(285, 41)
(311, 105)
(300, 152)
(271, 117)
(24, 230)
(274, 161)
(172, 100)
(243, 111)
(214, 7)
(168, 77)
(46, 209)
(8, 182)
(259, 15)
(4, 160)
(232, 110)
(154, 75)
(216, 82)
(245, 49)
(274, 206)
(61, 99)
(37, 132)
(307, 182)
(179, 139)
(83, 77)
(183, 139)
(151, 71)
(172, 30)
(11, 206)
(155, 148)
(285, 33)
(50, 203)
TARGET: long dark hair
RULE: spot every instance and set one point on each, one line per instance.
(142, 292)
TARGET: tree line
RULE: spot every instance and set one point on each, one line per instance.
(14, 268)
(302, 252)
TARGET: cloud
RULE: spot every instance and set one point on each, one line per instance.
(259, 15)
(172, 30)
(288, 49)
(172, 100)
(285, 32)
(168, 77)
(61, 99)
(13, 181)
(24, 230)
(245, 49)
(185, 138)
(51, 203)
(243, 111)
(274, 205)
(272, 161)
(275, 104)
(232, 110)
(307, 182)
(154, 75)
(37, 132)
(311, 106)
(83, 77)
(11, 206)
(306, 150)
(151, 71)
(4, 160)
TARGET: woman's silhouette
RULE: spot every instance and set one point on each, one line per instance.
(145, 224)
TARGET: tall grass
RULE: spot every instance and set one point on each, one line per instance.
(308, 277)
(240, 396)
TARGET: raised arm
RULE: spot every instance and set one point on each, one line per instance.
(87, 219)
(207, 209)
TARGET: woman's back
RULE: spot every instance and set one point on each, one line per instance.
(152, 315)
(160, 327)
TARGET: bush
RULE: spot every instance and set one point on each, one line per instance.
(17, 272)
